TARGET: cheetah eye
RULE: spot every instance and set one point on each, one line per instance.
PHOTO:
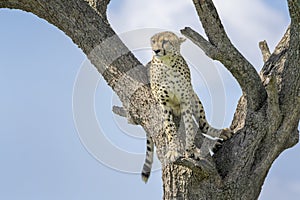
(153, 41)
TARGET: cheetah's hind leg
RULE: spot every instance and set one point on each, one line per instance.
(199, 113)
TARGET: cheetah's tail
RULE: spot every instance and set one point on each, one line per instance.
(149, 159)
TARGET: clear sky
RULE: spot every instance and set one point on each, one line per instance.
(45, 152)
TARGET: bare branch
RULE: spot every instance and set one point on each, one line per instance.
(123, 113)
(119, 111)
(263, 45)
(210, 50)
(290, 93)
(275, 64)
(227, 54)
(203, 167)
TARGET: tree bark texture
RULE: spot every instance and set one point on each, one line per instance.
(266, 119)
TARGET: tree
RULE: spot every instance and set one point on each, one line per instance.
(266, 118)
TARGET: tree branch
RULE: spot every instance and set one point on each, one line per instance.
(275, 64)
(290, 93)
(263, 45)
(100, 6)
(123, 113)
(203, 168)
(119, 111)
(227, 54)
(210, 50)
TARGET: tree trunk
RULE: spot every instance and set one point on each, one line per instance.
(266, 118)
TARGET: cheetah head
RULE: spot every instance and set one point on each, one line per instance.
(166, 43)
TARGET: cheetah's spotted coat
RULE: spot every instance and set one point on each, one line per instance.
(171, 86)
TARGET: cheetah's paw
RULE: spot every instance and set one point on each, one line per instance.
(193, 153)
(225, 135)
(173, 155)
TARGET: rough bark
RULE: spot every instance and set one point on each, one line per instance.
(266, 117)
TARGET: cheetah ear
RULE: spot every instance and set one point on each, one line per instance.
(182, 39)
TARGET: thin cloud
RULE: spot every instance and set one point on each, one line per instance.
(133, 14)
(247, 22)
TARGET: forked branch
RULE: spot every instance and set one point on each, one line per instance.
(219, 47)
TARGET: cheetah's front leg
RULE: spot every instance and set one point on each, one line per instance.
(190, 148)
(170, 129)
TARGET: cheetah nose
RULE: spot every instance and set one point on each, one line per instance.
(156, 51)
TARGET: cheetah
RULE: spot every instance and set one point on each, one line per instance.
(170, 83)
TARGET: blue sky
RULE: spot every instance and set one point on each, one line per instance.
(41, 149)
